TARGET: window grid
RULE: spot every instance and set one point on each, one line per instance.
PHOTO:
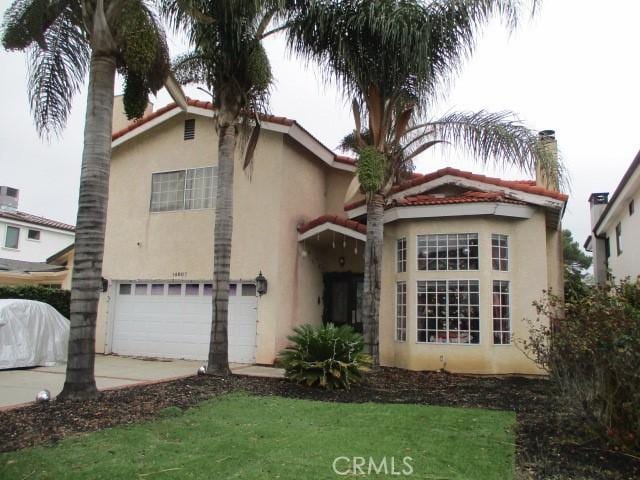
(448, 311)
(501, 313)
(401, 311)
(500, 252)
(189, 189)
(457, 251)
(401, 255)
(12, 237)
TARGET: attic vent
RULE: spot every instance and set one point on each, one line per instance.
(190, 129)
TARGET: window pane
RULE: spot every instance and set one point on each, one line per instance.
(12, 237)
(458, 251)
(192, 289)
(501, 314)
(401, 311)
(125, 289)
(207, 290)
(233, 289)
(33, 235)
(141, 289)
(157, 289)
(200, 187)
(175, 289)
(248, 290)
(167, 191)
(500, 252)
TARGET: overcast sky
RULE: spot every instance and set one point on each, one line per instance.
(573, 69)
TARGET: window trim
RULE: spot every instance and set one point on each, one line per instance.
(184, 193)
(508, 253)
(397, 328)
(404, 259)
(447, 344)
(29, 230)
(508, 282)
(6, 234)
(426, 270)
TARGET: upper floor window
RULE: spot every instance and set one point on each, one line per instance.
(458, 251)
(619, 238)
(33, 234)
(401, 255)
(12, 237)
(500, 252)
(183, 189)
(632, 207)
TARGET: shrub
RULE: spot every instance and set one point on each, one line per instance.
(58, 299)
(593, 353)
(326, 356)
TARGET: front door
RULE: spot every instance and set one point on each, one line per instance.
(343, 299)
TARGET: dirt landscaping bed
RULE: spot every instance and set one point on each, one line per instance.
(548, 444)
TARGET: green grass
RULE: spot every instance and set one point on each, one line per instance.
(249, 437)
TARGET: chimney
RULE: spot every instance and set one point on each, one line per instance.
(597, 203)
(9, 199)
(548, 142)
(120, 120)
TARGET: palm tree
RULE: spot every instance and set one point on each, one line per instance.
(228, 57)
(65, 40)
(394, 59)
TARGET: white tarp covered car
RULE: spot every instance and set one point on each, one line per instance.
(31, 334)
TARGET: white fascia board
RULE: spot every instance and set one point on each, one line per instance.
(146, 126)
(305, 139)
(458, 210)
(357, 212)
(328, 226)
(532, 198)
(621, 203)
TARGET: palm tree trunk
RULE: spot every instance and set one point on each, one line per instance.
(223, 229)
(86, 283)
(372, 276)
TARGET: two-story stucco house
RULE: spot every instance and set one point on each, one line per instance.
(28, 241)
(464, 255)
(615, 224)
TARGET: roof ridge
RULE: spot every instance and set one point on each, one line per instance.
(36, 220)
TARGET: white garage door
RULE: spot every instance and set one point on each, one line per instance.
(173, 320)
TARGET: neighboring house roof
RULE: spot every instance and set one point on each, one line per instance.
(284, 125)
(8, 265)
(36, 220)
(467, 197)
(56, 256)
(633, 169)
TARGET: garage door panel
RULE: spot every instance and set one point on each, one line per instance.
(175, 326)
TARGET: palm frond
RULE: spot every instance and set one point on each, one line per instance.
(192, 67)
(26, 22)
(56, 74)
(499, 138)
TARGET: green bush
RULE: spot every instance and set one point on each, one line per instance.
(325, 356)
(58, 299)
(592, 351)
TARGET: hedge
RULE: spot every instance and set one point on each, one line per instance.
(57, 298)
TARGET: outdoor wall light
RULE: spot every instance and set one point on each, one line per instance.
(261, 284)
(341, 261)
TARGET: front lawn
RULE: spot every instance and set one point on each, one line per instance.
(253, 437)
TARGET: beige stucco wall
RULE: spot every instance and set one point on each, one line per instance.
(527, 275)
(285, 187)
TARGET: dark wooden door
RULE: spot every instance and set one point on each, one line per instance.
(343, 299)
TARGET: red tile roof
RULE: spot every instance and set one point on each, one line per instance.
(520, 185)
(347, 160)
(34, 219)
(468, 197)
(343, 222)
(193, 103)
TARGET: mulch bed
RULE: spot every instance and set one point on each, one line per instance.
(545, 448)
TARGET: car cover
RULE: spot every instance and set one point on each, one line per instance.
(31, 334)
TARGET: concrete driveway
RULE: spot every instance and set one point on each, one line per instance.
(21, 385)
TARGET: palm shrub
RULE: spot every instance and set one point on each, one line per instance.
(592, 352)
(327, 356)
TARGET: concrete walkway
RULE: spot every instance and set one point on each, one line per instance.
(21, 386)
